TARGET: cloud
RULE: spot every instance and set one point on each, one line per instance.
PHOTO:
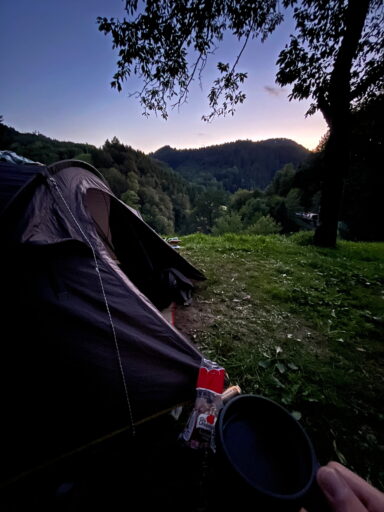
(275, 91)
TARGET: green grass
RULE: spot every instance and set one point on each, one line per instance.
(303, 326)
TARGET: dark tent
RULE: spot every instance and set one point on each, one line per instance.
(85, 350)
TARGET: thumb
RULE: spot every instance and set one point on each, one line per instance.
(339, 495)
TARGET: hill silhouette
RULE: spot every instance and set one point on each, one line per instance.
(241, 164)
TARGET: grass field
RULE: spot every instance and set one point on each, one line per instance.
(303, 326)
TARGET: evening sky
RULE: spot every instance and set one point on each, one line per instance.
(56, 69)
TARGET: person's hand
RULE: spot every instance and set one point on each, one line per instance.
(347, 492)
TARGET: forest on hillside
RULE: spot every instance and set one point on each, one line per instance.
(241, 164)
(162, 196)
(212, 190)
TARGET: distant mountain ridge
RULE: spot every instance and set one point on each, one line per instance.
(241, 164)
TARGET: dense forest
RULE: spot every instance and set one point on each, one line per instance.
(162, 196)
(241, 164)
(213, 189)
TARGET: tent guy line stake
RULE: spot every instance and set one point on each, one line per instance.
(57, 188)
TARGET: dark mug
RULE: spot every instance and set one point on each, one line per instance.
(265, 458)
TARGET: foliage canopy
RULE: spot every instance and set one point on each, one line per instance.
(329, 43)
(167, 44)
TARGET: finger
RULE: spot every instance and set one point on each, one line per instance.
(371, 497)
(338, 493)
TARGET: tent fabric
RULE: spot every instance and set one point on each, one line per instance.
(85, 349)
(13, 183)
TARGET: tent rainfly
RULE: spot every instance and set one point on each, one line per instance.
(85, 349)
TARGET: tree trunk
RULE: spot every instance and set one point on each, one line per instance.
(336, 158)
(335, 107)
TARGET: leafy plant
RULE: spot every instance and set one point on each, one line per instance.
(265, 225)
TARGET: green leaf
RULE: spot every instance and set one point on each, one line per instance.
(340, 456)
(297, 415)
(281, 367)
(278, 383)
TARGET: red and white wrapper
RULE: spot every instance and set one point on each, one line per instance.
(199, 432)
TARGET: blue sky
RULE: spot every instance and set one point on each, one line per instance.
(56, 69)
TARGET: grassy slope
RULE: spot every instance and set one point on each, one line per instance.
(303, 326)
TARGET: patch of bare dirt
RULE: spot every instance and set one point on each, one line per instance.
(193, 318)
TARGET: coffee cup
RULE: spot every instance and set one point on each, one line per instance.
(265, 458)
